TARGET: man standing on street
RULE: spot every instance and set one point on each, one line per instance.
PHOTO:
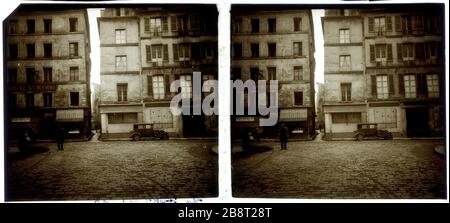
(283, 136)
(60, 137)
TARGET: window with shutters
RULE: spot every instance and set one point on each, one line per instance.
(419, 51)
(297, 24)
(418, 23)
(196, 51)
(406, 24)
(12, 75)
(382, 86)
(272, 25)
(157, 53)
(29, 100)
(48, 99)
(74, 74)
(344, 36)
(433, 85)
(48, 74)
(155, 26)
(30, 75)
(12, 26)
(173, 24)
(254, 73)
(236, 72)
(48, 50)
(346, 91)
(73, 49)
(237, 50)
(47, 25)
(158, 86)
(410, 85)
(255, 25)
(12, 102)
(298, 98)
(298, 73)
(298, 51)
(120, 36)
(73, 24)
(186, 86)
(182, 24)
(237, 25)
(31, 50)
(379, 25)
(272, 48)
(271, 73)
(122, 91)
(194, 22)
(207, 84)
(345, 62)
(184, 52)
(13, 51)
(74, 98)
(431, 50)
(121, 61)
(381, 53)
(255, 49)
(407, 51)
(30, 26)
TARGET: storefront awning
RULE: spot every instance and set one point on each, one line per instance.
(69, 115)
(293, 115)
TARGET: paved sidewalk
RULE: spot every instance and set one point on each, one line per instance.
(374, 169)
(114, 170)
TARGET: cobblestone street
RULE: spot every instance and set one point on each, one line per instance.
(373, 169)
(114, 170)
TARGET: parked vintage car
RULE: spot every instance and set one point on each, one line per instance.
(146, 130)
(370, 130)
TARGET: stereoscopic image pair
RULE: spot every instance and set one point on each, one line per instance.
(114, 102)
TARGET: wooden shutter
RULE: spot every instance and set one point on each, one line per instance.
(150, 86)
(401, 84)
(165, 53)
(148, 53)
(398, 23)
(146, 24)
(399, 52)
(372, 53)
(388, 23)
(175, 52)
(391, 84)
(389, 52)
(165, 25)
(371, 24)
(374, 85)
(167, 85)
(173, 23)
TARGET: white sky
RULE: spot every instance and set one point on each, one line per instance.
(95, 45)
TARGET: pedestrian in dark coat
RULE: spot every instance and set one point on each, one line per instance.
(283, 136)
(60, 137)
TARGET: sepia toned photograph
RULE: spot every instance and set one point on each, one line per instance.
(91, 96)
(357, 93)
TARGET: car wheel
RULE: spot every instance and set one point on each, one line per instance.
(164, 136)
(388, 136)
(136, 137)
(359, 137)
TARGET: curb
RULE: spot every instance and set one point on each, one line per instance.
(179, 138)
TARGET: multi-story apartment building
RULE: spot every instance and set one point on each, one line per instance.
(276, 44)
(403, 74)
(143, 50)
(48, 72)
(344, 81)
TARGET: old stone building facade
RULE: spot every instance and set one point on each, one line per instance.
(48, 72)
(143, 50)
(403, 71)
(276, 43)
